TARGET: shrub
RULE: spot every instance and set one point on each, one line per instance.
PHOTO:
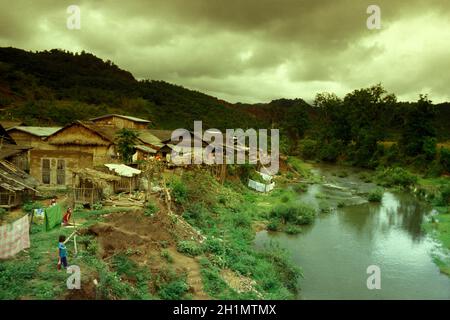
(97, 206)
(166, 255)
(299, 188)
(273, 225)
(292, 229)
(308, 148)
(3, 213)
(293, 213)
(151, 209)
(214, 245)
(444, 158)
(78, 207)
(173, 290)
(242, 220)
(190, 248)
(444, 195)
(375, 195)
(179, 191)
(29, 206)
(396, 177)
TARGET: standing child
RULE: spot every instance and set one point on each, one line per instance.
(62, 252)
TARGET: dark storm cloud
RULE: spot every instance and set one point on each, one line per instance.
(250, 50)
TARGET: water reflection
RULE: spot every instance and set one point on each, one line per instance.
(336, 250)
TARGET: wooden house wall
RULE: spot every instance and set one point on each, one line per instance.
(73, 160)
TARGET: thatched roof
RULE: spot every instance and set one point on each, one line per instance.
(98, 178)
(107, 133)
(14, 179)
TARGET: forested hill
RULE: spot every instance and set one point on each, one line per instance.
(57, 87)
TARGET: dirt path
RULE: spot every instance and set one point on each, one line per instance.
(194, 278)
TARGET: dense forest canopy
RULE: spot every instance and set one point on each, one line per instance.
(56, 87)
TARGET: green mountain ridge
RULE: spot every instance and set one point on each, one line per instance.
(56, 87)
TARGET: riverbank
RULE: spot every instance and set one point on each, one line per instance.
(141, 253)
(336, 250)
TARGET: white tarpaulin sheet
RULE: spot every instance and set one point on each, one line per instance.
(123, 170)
(14, 237)
(261, 187)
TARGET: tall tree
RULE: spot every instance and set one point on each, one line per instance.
(418, 134)
(126, 141)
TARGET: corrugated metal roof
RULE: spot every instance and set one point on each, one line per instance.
(145, 148)
(148, 138)
(121, 116)
(37, 131)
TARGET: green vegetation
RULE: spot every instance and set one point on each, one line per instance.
(228, 226)
(150, 209)
(396, 176)
(189, 248)
(375, 195)
(439, 227)
(125, 144)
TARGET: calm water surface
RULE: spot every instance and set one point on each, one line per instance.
(336, 250)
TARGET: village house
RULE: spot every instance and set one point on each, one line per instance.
(81, 144)
(121, 121)
(32, 136)
(15, 185)
(11, 151)
(10, 123)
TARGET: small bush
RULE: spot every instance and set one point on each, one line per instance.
(308, 148)
(292, 229)
(151, 209)
(78, 207)
(396, 177)
(273, 226)
(189, 248)
(293, 213)
(97, 206)
(375, 195)
(173, 290)
(179, 191)
(242, 220)
(213, 245)
(444, 195)
(299, 188)
(3, 213)
(166, 255)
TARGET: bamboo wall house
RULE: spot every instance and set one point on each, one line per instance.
(15, 185)
(90, 186)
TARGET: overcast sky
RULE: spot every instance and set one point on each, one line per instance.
(251, 50)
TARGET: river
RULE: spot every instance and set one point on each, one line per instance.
(336, 250)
